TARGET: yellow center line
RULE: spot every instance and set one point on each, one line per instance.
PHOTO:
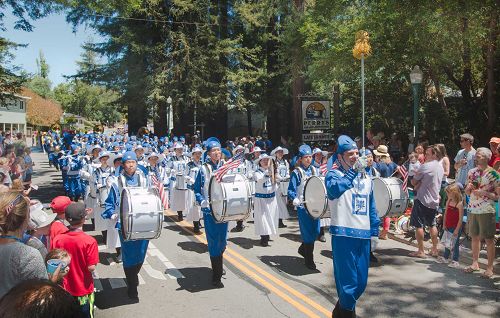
(201, 238)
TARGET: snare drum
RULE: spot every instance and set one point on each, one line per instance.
(231, 199)
(390, 199)
(283, 186)
(315, 199)
(141, 214)
(103, 195)
(180, 182)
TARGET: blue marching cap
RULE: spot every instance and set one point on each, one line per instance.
(304, 150)
(345, 143)
(74, 147)
(212, 144)
(129, 155)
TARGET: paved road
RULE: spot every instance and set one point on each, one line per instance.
(272, 281)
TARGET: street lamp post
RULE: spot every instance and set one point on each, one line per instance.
(416, 76)
(169, 104)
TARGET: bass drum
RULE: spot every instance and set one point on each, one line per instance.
(231, 199)
(315, 200)
(390, 199)
(141, 214)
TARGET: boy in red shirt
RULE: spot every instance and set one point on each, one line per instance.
(58, 205)
(84, 257)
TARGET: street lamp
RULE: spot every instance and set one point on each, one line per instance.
(169, 104)
(416, 76)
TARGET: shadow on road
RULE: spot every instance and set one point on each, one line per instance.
(196, 279)
(112, 297)
(292, 265)
(292, 237)
(197, 247)
(244, 242)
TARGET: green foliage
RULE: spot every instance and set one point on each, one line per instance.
(90, 101)
(40, 85)
(42, 66)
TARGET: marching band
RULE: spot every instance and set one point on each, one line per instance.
(110, 172)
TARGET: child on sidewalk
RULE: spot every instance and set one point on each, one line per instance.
(84, 257)
(453, 224)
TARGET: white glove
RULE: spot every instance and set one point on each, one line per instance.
(114, 216)
(360, 164)
(296, 202)
(374, 243)
(205, 204)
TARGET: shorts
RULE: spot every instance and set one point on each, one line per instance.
(422, 216)
(482, 225)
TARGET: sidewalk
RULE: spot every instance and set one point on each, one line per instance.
(465, 253)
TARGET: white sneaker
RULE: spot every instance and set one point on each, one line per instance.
(442, 260)
(454, 264)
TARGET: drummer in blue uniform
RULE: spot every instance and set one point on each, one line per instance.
(354, 225)
(216, 232)
(133, 252)
(74, 164)
(309, 227)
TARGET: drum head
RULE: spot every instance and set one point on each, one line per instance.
(125, 207)
(382, 196)
(315, 201)
(216, 198)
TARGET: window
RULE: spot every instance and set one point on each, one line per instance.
(21, 104)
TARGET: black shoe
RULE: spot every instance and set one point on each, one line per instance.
(196, 227)
(281, 225)
(321, 238)
(264, 240)
(180, 217)
(373, 258)
(238, 228)
(301, 250)
(119, 258)
(309, 256)
(133, 294)
(217, 271)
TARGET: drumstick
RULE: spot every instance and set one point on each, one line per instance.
(273, 177)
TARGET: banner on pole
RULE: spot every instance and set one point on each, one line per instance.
(315, 115)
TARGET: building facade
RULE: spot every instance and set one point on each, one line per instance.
(13, 113)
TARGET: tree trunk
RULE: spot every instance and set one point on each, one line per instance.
(249, 120)
(297, 85)
(272, 87)
(490, 70)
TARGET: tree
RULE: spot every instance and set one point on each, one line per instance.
(42, 66)
(23, 10)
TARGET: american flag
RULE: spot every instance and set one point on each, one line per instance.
(323, 169)
(232, 163)
(161, 191)
(404, 173)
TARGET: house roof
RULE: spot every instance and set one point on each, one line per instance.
(41, 111)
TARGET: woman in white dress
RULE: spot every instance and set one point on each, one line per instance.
(265, 205)
(177, 167)
(194, 210)
(283, 179)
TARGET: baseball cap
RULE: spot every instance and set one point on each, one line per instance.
(495, 140)
(75, 212)
(59, 204)
(40, 218)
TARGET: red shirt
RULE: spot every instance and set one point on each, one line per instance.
(494, 159)
(451, 217)
(84, 253)
(56, 228)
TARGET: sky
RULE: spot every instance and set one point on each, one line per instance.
(60, 46)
